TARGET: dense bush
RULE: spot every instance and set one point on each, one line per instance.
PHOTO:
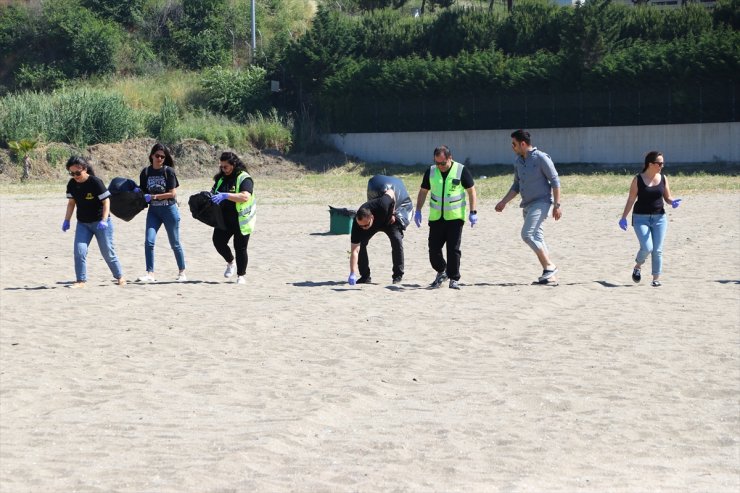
(235, 93)
(80, 117)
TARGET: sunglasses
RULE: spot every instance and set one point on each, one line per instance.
(159, 156)
(75, 173)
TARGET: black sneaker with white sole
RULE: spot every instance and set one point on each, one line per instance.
(636, 275)
(441, 277)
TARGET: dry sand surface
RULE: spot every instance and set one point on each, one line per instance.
(299, 382)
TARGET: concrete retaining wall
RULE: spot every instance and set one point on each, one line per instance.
(691, 143)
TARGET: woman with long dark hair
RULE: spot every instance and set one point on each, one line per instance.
(159, 183)
(233, 190)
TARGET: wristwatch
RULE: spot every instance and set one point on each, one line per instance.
(557, 205)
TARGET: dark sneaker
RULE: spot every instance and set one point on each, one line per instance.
(397, 279)
(441, 277)
(636, 276)
(547, 274)
(364, 280)
(454, 284)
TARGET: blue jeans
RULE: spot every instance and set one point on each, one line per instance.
(169, 215)
(532, 233)
(84, 233)
(650, 230)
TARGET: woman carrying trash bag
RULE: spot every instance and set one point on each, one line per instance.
(159, 182)
(233, 190)
(87, 193)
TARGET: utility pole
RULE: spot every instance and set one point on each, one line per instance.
(254, 33)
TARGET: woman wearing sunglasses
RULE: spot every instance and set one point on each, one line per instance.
(87, 193)
(159, 182)
(648, 191)
(233, 191)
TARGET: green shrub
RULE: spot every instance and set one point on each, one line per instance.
(163, 126)
(80, 117)
(271, 131)
(39, 77)
(214, 129)
(235, 93)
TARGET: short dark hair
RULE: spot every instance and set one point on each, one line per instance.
(442, 150)
(522, 136)
(168, 161)
(650, 157)
(82, 163)
(362, 213)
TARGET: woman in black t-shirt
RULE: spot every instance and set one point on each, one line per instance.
(648, 191)
(88, 194)
(159, 183)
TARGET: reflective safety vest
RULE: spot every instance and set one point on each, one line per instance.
(245, 211)
(448, 196)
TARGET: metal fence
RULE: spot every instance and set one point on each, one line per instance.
(701, 103)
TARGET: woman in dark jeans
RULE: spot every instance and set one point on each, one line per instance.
(233, 190)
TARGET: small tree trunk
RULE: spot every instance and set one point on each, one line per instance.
(26, 168)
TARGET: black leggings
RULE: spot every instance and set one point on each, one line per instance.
(221, 242)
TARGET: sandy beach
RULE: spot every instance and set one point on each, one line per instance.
(300, 382)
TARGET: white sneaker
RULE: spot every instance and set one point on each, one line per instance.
(241, 280)
(148, 277)
(229, 269)
(182, 277)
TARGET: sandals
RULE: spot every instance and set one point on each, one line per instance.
(656, 284)
(636, 275)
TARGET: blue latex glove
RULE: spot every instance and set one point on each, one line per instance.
(676, 203)
(417, 218)
(65, 225)
(136, 190)
(103, 225)
(147, 198)
(473, 219)
(352, 279)
(623, 224)
(219, 197)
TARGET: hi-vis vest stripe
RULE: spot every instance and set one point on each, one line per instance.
(451, 205)
(245, 211)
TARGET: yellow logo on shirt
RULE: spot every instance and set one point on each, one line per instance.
(89, 196)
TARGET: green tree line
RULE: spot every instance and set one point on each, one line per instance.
(355, 51)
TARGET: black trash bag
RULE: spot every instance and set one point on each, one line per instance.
(377, 186)
(124, 202)
(206, 211)
(342, 212)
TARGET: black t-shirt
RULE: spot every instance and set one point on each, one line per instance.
(158, 181)
(382, 210)
(88, 196)
(466, 179)
(228, 184)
